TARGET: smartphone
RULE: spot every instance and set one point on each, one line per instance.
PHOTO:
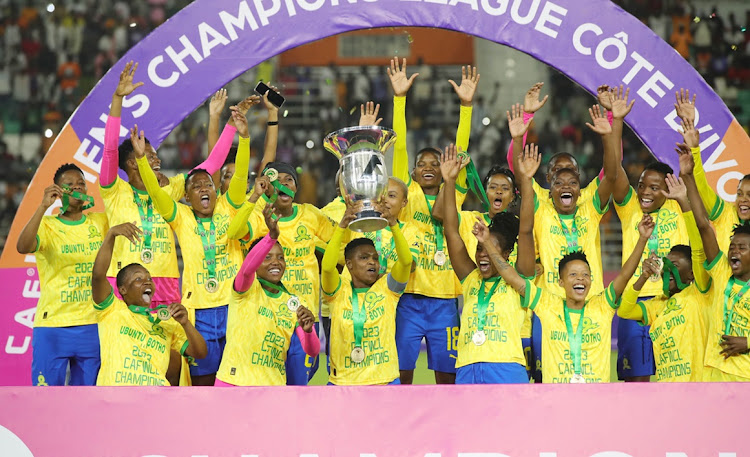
(273, 96)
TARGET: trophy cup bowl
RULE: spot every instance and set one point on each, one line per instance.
(363, 175)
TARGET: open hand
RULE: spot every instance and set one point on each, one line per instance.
(369, 114)
(530, 161)
(216, 105)
(481, 231)
(126, 86)
(469, 82)
(646, 226)
(685, 107)
(604, 96)
(687, 163)
(531, 102)
(399, 82)
(271, 223)
(129, 230)
(690, 134)
(450, 163)
(601, 124)
(620, 105)
(138, 139)
(240, 121)
(676, 189)
(515, 122)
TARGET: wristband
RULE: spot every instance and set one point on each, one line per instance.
(272, 123)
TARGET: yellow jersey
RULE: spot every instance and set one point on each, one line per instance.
(259, 330)
(65, 254)
(596, 337)
(298, 234)
(196, 275)
(670, 230)
(551, 242)
(738, 318)
(120, 206)
(678, 330)
(503, 323)
(135, 344)
(380, 365)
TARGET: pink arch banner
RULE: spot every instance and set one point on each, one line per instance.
(210, 42)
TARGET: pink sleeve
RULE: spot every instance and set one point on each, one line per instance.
(108, 172)
(310, 341)
(611, 119)
(246, 275)
(527, 117)
(219, 153)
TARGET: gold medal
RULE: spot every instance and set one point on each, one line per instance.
(577, 379)
(358, 355)
(212, 285)
(439, 258)
(272, 174)
(293, 304)
(479, 337)
(464, 157)
(147, 255)
(656, 277)
(163, 314)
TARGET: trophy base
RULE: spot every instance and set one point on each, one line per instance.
(368, 221)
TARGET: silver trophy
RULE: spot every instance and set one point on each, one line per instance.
(364, 176)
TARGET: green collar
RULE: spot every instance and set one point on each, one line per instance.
(67, 222)
(295, 210)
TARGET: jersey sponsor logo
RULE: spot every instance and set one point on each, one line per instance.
(302, 234)
(672, 305)
(94, 232)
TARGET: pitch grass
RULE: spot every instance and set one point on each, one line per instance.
(424, 376)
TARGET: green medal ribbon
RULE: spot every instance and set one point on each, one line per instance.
(278, 287)
(475, 183)
(571, 234)
(359, 316)
(437, 227)
(483, 302)
(78, 195)
(671, 270)
(377, 238)
(729, 310)
(209, 245)
(574, 339)
(147, 219)
(653, 240)
(156, 329)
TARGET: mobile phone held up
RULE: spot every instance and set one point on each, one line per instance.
(273, 96)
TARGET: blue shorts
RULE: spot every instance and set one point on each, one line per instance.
(54, 348)
(536, 349)
(300, 367)
(436, 320)
(211, 323)
(635, 350)
(492, 373)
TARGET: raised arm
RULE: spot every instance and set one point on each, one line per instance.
(162, 201)
(368, 114)
(402, 268)
(100, 287)
(197, 347)
(601, 126)
(215, 108)
(125, 87)
(629, 306)
(450, 165)
(238, 228)
(531, 104)
(645, 228)
(527, 168)
(238, 183)
(465, 92)
(707, 234)
(258, 253)
(329, 277)
(691, 139)
(27, 243)
(507, 272)
(271, 142)
(518, 129)
(620, 108)
(220, 151)
(401, 85)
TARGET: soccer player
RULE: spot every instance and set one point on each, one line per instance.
(635, 356)
(576, 328)
(723, 214)
(677, 318)
(300, 226)
(65, 333)
(211, 259)
(424, 310)
(489, 345)
(363, 310)
(136, 338)
(262, 317)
